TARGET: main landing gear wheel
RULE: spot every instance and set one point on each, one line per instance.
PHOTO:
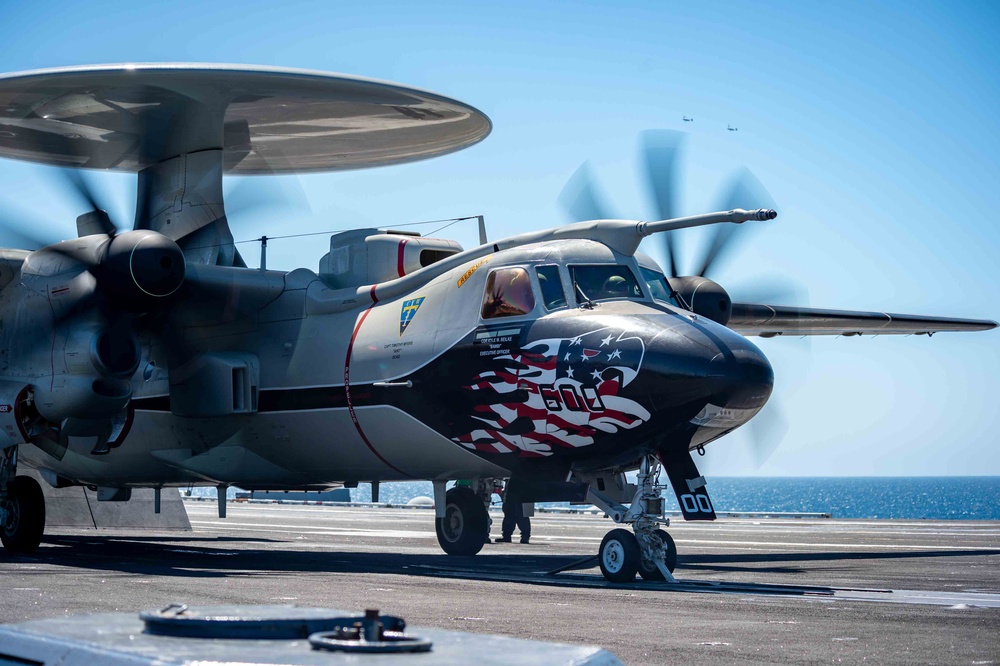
(619, 556)
(22, 528)
(648, 570)
(466, 523)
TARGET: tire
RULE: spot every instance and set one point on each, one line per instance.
(619, 556)
(466, 525)
(22, 529)
(648, 570)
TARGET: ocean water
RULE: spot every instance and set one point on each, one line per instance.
(942, 498)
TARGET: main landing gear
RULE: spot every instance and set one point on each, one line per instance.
(464, 525)
(649, 551)
(22, 507)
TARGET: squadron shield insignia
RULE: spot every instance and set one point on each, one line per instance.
(408, 312)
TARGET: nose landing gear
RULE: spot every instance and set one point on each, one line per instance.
(661, 548)
(650, 551)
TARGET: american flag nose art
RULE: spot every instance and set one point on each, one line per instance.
(557, 392)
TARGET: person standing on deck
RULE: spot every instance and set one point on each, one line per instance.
(513, 515)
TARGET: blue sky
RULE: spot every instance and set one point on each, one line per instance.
(873, 127)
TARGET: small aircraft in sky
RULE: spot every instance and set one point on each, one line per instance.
(688, 120)
(559, 359)
(732, 129)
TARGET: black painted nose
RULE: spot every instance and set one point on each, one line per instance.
(708, 371)
(742, 375)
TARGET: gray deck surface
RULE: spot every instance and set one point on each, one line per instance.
(758, 590)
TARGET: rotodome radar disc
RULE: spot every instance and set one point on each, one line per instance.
(268, 120)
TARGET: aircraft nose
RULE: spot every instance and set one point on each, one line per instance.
(742, 374)
(708, 367)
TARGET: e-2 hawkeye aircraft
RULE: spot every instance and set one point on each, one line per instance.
(154, 357)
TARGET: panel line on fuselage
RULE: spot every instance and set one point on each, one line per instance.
(347, 387)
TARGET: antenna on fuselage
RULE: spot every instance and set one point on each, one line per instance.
(482, 230)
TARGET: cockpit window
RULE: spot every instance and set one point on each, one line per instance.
(658, 287)
(508, 293)
(553, 296)
(604, 282)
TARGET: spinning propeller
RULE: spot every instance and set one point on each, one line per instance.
(128, 285)
(96, 314)
(659, 152)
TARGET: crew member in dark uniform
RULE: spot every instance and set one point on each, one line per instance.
(513, 515)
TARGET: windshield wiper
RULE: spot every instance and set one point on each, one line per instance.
(587, 303)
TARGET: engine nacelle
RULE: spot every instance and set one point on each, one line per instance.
(705, 297)
(93, 351)
(95, 381)
(91, 398)
(136, 271)
(58, 408)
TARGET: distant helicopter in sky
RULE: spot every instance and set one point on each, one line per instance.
(688, 120)
(732, 129)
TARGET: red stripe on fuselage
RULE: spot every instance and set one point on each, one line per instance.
(347, 386)
(399, 259)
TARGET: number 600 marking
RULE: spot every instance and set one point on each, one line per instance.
(696, 503)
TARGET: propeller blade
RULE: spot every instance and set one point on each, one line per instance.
(672, 249)
(78, 185)
(659, 150)
(580, 199)
(766, 431)
(744, 191)
(251, 195)
(73, 182)
(23, 232)
(67, 181)
(77, 309)
(143, 203)
(772, 291)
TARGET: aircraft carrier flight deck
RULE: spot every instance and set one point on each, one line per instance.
(760, 589)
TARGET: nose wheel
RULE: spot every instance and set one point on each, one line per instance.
(619, 556)
(647, 550)
(622, 555)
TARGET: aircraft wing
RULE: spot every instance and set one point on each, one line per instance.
(770, 320)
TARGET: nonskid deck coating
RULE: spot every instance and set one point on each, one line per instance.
(772, 590)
